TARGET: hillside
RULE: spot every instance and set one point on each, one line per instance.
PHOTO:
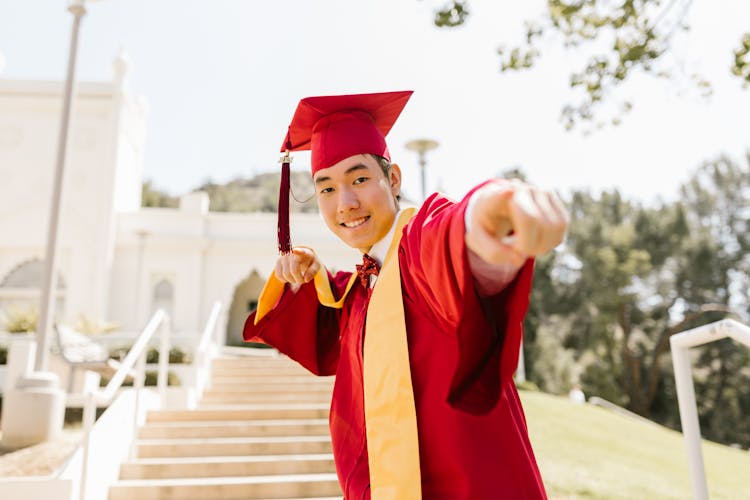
(585, 451)
(257, 194)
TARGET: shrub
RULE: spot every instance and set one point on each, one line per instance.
(119, 353)
(150, 380)
(90, 325)
(176, 355)
(21, 320)
(527, 386)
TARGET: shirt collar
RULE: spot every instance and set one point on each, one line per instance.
(380, 249)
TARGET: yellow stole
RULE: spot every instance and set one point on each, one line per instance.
(390, 415)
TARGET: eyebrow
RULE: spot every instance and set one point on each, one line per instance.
(354, 168)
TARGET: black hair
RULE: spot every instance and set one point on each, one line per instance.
(385, 166)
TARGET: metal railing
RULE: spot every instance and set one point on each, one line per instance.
(680, 344)
(134, 364)
(206, 351)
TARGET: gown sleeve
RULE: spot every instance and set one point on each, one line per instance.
(487, 330)
(300, 327)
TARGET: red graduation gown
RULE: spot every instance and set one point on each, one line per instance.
(463, 351)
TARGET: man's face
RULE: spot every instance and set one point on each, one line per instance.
(357, 201)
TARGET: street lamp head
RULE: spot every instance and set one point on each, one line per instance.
(78, 7)
(421, 146)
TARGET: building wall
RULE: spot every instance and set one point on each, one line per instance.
(99, 170)
(112, 253)
(207, 255)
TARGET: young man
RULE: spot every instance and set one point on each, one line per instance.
(424, 337)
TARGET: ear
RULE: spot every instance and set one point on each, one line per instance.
(394, 178)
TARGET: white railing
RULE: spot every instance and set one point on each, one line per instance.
(134, 364)
(680, 345)
(206, 351)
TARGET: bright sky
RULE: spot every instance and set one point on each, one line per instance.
(223, 77)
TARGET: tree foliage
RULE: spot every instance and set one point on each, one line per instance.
(153, 197)
(621, 38)
(256, 194)
(628, 278)
(260, 194)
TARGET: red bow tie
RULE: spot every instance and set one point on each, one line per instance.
(368, 267)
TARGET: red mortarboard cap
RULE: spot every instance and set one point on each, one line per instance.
(335, 128)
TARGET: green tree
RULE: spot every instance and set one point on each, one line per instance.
(152, 197)
(628, 278)
(621, 38)
(718, 194)
(259, 194)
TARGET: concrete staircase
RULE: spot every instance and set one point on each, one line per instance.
(260, 432)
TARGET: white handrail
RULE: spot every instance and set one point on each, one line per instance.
(680, 344)
(204, 353)
(131, 358)
(135, 359)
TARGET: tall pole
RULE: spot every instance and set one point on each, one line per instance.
(137, 309)
(422, 165)
(421, 146)
(49, 286)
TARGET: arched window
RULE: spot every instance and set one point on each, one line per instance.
(28, 275)
(163, 297)
(244, 301)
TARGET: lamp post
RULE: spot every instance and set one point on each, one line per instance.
(34, 407)
(422, 146)
(47, 306)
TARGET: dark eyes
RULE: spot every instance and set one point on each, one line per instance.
(358, 180)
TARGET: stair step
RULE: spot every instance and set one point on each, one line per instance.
(257, 487)
(207, 447)
(254, 363)
(223, 362)
(153, 468)
(261, 376)
(261, 432)
(266, 387)
(239, 428)
(211, 398)
(217, 380)
(243, 412)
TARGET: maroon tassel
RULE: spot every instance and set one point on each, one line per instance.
(285, 241)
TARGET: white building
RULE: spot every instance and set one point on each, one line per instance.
(118, 261)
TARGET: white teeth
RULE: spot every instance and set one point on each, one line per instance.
(355, 223)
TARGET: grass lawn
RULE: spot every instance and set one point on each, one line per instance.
(585, 451)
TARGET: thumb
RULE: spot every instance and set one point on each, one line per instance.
(304, 255)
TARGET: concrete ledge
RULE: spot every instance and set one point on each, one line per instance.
(110, 442)
(27, 488)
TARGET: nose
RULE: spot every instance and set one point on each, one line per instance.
(347, 200)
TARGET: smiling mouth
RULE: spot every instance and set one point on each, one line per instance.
(355, 223)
